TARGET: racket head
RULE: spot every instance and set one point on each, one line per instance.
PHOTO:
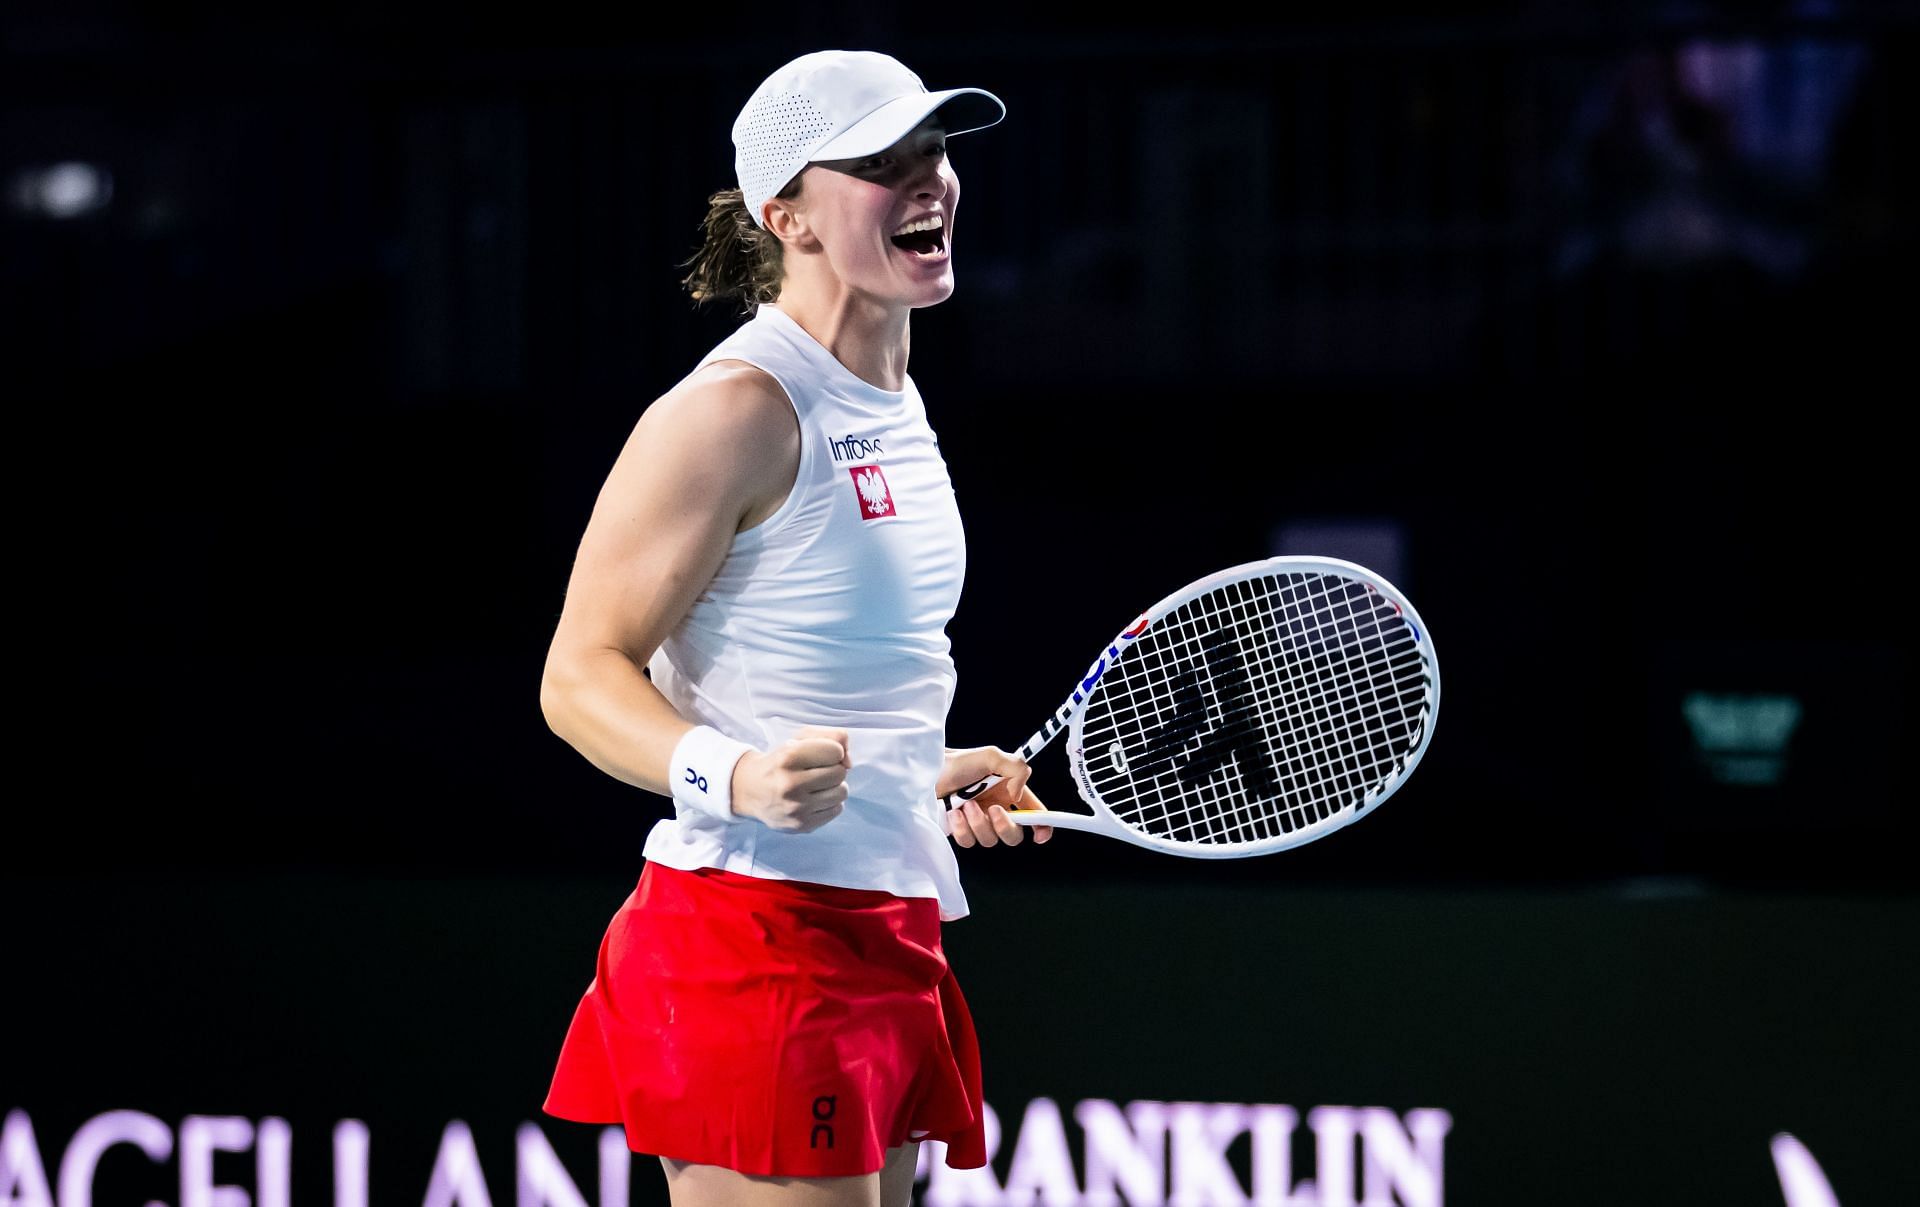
(1256, 709)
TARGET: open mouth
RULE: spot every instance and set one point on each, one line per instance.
(926, 245)
(922, 242)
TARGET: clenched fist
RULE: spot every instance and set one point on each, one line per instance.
(799, 785)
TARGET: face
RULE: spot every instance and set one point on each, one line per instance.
(855, 207)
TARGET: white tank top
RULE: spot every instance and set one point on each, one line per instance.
(832, 611)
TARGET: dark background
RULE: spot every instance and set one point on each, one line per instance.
(1603, 314)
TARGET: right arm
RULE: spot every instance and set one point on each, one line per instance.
(716, 455)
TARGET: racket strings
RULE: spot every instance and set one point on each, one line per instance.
(1304, 691)
(1295, 700)
(1307, 729)
(1337, 754)
(1409, 671)
(1325, 763)
(1318, 736)
(1227, 813)
(1240, 809)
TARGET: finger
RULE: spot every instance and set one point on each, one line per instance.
(1028, 801)
(980, 824)
(826, 796)
(1017, 774)
(1009, 830)
(816, 752)
(958, 827)
(817, 778)
(829, 734)
(1012, 793)
(813, 821)
(1004, 775)
(816, 809)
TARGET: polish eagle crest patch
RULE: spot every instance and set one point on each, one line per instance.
(876, 501)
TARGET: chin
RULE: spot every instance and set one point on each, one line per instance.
(933, 292)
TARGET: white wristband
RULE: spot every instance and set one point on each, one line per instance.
(702, 771)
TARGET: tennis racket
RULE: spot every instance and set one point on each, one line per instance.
(1251, 711)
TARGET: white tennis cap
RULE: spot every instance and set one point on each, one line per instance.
(838, 104)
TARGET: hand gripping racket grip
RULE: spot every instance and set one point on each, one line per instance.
(1029, 817)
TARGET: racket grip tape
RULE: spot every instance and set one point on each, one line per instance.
(960, 797)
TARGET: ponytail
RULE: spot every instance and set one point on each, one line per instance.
(736, 259)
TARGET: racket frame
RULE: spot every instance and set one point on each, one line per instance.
(1072, 712)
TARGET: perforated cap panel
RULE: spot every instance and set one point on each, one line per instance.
(771, 141)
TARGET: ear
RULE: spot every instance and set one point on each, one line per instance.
(787, 223)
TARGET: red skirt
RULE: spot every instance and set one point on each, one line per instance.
(773, 1027)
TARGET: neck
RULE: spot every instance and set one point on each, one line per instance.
(869, 337)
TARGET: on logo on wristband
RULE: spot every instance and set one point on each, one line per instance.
(704, 781)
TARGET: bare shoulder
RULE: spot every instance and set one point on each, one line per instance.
(725, 433)
(729, 400)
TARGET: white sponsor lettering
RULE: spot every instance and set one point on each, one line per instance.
(274, 1162)
(1042, 1169)
(23, 1179)
(457, 1179)
(1333, 1135)
(95, 1137)
(1802, 1182)
(1201, 1132)
(1273, 1184)
(539, 1178)
(1403, 1164)
(1098, 1154)
(350, 1143)
(1125, 1151)
(200, 1137)
(1201, 1154)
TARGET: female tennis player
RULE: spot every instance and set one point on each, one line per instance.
(755, 626)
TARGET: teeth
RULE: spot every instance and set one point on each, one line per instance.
(925, 224)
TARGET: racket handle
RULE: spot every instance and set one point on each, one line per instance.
(955, 799)
(1063, 821)
(1029, 817)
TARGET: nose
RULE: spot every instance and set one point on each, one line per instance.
(934, 181)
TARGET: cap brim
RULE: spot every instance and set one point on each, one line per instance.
(966, 109)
